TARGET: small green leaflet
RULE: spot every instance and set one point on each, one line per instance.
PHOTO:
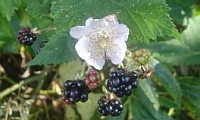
(7, 7)
(38, 9)
(146, 19)
(60, 49)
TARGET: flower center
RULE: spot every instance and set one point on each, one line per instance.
(102, 38)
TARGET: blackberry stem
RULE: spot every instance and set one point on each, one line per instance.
(23, 82)
(129, 52)
(81, 72)
(34, 30)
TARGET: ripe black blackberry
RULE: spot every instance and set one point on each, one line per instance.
(75, 91)
(121, 83)
(112, 107)
(26, 36)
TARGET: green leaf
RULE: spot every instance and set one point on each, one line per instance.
(176, 53)
(195, 102)
(60, 49)
(70, 114)
(135, 110)
(145, 110)
(6, 34)
(162, 75)
(8, 40)
(181, 10)
(38, 9)
(164, 101)
(191, 35)
(146, 19)
(149, 90)
(143, 113)
(190, 86)
(172, 51)
(191, 89)
(72, 68)
(88, 108)
(7, 7)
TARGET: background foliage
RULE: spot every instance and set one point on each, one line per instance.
(30, 83)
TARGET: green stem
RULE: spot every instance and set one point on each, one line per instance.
(17, 86)
(130, 116)
(47, 92)
(46, 29)
(39, 86)
(129, 52)
(9, 80)
(199, 71)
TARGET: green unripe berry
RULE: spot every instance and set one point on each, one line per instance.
(141, 57)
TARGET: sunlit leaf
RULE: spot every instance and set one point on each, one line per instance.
(176, 53)
(70, 113)
(146, 19)
(88, 108)
(71, 68)
(191, 34)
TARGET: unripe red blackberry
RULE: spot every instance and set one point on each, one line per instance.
(26, 36)
(92, 79)
(141, 57)
(66, 100)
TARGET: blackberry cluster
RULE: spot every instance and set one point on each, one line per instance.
(75, 91)
(26, 36)
(121, 83)
(92, 80)
(112, 107)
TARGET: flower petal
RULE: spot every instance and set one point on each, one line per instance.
(122, 32)
(80, 31)
(117, 53)
(97, 62)
(96, 59)
(112, 19)
(96, 23)
(88, 52)
(82, 48)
